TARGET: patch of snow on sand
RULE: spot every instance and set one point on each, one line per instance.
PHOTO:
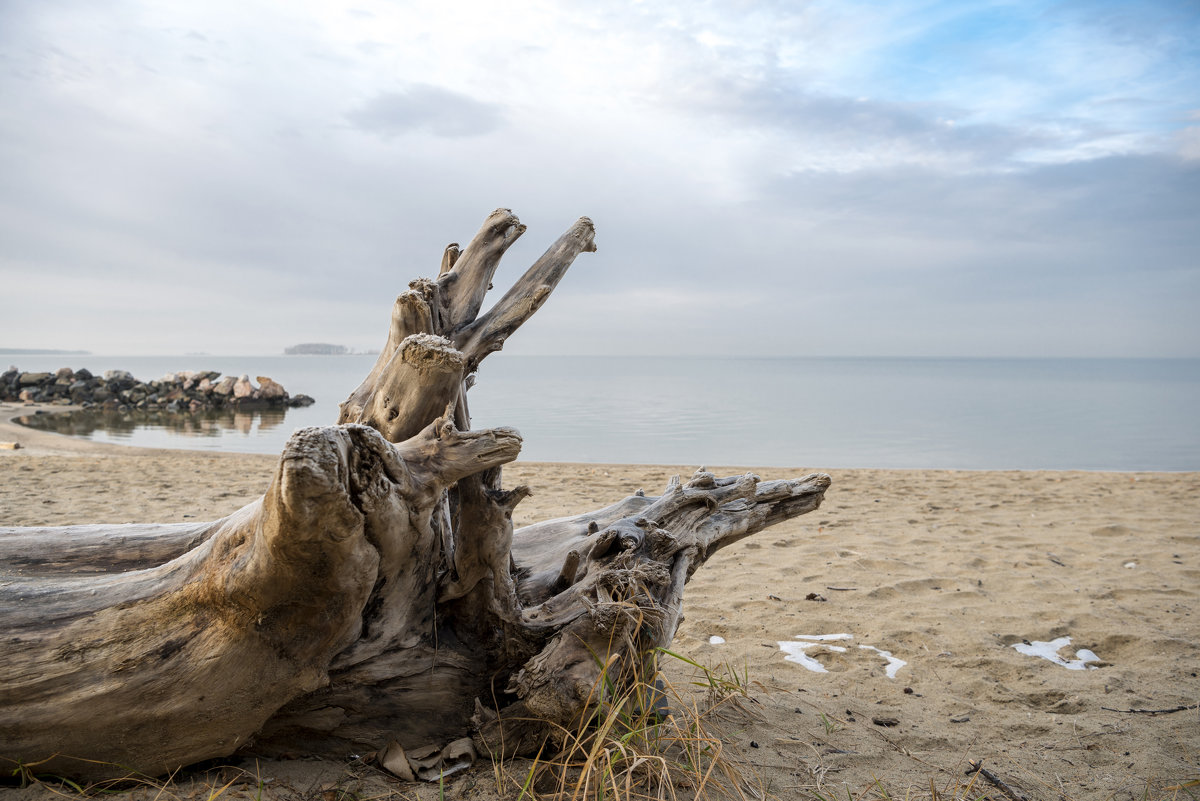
(796, 650)
(893, 664)
(1049, 651)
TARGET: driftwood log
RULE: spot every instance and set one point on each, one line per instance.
(376, 594)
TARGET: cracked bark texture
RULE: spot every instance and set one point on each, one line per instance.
(376, 597)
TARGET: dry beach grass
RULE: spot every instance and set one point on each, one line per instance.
(946, 571)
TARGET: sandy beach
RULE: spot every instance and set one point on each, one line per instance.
(889, 637)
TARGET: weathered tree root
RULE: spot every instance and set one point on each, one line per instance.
(377, 594)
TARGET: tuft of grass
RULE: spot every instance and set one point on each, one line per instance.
(628, 748)
(722, 682)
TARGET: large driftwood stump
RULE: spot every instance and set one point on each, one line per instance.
(376, 594)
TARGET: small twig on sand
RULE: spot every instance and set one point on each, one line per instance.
(1000, 784)
(1151, 711)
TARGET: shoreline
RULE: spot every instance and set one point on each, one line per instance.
(35, 441)
(945, 570)
(904, 417)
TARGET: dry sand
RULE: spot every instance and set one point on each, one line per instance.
(946, 570)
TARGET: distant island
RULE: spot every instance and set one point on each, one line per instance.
(316, 349)
(43, 352)
(325, 349)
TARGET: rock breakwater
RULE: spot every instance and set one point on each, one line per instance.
(117, 390)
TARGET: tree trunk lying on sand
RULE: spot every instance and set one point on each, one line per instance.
(377, 592)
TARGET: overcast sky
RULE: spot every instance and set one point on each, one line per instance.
(771, 178)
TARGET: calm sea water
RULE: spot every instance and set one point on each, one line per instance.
(1089, 414)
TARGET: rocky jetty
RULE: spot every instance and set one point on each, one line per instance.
(117, 390)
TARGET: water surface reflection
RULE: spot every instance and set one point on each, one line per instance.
(157, 428)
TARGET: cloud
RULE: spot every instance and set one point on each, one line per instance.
(1056, 233)
(1188, 139)
(804, 177)
(422, 107)
(843, 133)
